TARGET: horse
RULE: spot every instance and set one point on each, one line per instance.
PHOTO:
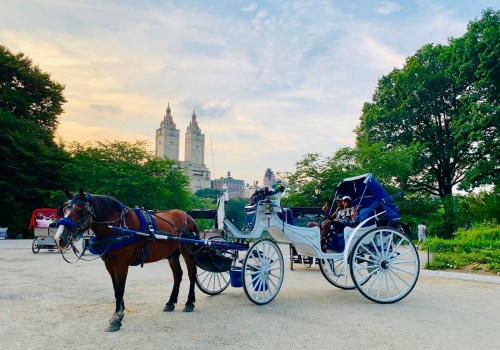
(119, 250)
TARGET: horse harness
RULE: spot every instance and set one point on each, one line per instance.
(107, 244)
(148, 225)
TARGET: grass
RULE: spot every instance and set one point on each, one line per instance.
(475, 250)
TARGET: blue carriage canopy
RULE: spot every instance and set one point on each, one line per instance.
(367, 192)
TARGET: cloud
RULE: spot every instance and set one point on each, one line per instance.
(268, 81)
(250, 8)
(106, 108)
(388, 7)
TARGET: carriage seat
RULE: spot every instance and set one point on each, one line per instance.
(338, 233)
(363, 214)
(249, 208)
(250, 215)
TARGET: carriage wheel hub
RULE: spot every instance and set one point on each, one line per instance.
(385, 264)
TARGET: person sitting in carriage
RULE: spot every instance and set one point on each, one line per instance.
(335, 222)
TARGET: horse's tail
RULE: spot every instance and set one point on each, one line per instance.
(196, 230)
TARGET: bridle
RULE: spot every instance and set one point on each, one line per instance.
(81, 225)
(78, 228)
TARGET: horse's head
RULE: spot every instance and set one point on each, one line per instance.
(77, 218)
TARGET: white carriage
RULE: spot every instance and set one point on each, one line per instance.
(377, 257)
(44, 229)
(43, 223)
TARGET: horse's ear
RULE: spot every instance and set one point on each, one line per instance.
(82, 194)
(68, 194)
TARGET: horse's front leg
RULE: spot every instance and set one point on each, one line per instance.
(119, 277)
(175, 266)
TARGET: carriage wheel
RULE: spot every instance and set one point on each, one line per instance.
(385, 265)
(337, 273)
(292, 253)
(35, 247)
(263, 271)
(212, 283)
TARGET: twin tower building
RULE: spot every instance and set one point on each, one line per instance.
(167, 146)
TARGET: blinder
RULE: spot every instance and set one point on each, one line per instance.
(83, 224)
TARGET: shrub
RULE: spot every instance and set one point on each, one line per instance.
(475, 247)
(486, 233)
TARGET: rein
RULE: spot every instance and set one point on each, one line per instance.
(81, 226)
(181, 231)
(114, 241)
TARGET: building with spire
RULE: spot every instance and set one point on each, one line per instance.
(167, 138)
(167, 146)
(194, 143)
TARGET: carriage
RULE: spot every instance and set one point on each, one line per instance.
(43, 224)
(374, 255)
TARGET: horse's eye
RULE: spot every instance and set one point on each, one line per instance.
(79, 212)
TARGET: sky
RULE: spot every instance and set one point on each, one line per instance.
(269, 81)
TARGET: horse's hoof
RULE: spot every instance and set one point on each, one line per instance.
(114, 326)
(188, 308)
(169, 308)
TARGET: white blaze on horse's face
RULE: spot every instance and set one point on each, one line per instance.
(60, 231)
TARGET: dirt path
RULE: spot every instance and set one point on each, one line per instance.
(48, 303)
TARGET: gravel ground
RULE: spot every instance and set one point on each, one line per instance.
(47, 303)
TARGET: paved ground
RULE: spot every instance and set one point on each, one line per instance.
(47, 303)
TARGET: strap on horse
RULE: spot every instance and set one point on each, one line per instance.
(147, 225)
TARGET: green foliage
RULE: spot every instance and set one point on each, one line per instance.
(314, 170)
(128, 172)
(437, 118)
(301, 183)
(483, 207)
(235, 210)
(212, 194)
(31, 161)
(478, 248)
(416, 208)
(476, 59)
(27, 92)
(481, 233)
(393, 165)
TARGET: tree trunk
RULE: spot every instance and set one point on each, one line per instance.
(449, 216)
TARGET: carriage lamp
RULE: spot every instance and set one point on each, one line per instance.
(268, 206)
(317, 190)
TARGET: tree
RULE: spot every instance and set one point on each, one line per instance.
(31, 160)
(476, 58)
(426, 111)
(212, 194)
(301, 183)
(27, 92)
(128, 172)
(314, 170)
(235, 210)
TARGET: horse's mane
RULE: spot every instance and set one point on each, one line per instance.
(104, 205)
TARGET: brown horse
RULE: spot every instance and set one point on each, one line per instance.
(119, 250)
